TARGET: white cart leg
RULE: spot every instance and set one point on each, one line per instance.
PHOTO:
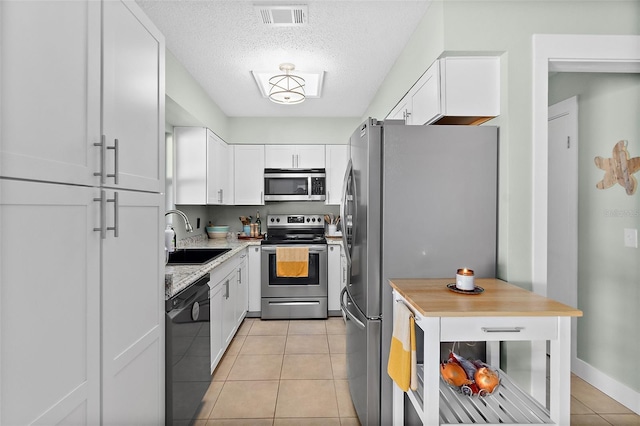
(539, 370)
(431, 397)
(560, 388)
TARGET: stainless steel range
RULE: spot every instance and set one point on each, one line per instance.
(294, 295)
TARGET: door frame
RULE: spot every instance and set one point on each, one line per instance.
(564, 53)
(570, 53)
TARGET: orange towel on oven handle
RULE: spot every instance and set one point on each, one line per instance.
(292, 262)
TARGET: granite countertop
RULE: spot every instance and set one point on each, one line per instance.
(179, 277)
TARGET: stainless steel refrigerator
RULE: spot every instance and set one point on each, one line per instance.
(418, 202)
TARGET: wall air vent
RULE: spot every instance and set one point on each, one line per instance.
(282, 15)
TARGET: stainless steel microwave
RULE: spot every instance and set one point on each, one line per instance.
(294, 184)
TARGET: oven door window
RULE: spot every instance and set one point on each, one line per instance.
(286, 186)
(312, 279)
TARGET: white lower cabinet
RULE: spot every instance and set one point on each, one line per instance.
(254, 275)
(336, 276)
(229, 295)
(97, 341)
(132, 314)
(50, 304)
(215, 303)
(242, 299)
(228, 303)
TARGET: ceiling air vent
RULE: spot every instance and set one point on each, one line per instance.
(282, 15)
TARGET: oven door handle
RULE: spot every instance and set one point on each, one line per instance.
(312, 249)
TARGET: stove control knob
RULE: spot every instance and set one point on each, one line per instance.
(308, 220)
(314, 219)
(272, 220)
(278, 220)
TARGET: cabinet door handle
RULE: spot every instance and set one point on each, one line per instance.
(226, 289)
(502, 329)
(261, 197)
(103, 158)
(116, 209)
(103, 214)
(220, 196)
(116, 154)
(239, 276)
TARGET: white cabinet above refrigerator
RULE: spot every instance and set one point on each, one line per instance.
(454, 90)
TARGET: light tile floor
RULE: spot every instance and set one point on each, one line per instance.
(283, 373)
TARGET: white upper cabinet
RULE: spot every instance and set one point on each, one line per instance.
(219, 170)
(191, 166)
(454, 90)
(59, 139)
(204, 167)
(337, 157)
(294, 156)
(133, 86)
(248, 169)
(50, 119)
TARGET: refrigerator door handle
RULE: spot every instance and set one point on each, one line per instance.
(345, 309)
(343, 210)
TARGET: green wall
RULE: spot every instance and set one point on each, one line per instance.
(291, 130)
(608, 272)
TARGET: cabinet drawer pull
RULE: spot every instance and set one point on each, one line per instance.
(502, 329)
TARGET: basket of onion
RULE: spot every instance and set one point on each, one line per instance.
(469, 377)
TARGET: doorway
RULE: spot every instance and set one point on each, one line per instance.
(562, 231)
(570, 53)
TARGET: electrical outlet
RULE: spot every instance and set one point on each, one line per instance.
(631, 237)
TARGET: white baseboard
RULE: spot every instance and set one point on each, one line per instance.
(616, 390)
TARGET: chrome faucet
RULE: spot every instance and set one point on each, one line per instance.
(184, 216)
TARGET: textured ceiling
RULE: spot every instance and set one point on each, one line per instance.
(221, 41)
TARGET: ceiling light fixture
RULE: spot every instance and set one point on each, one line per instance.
(286, 88)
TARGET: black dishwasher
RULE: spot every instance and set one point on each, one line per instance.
(187, 352)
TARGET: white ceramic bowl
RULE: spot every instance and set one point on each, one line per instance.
(217, 235)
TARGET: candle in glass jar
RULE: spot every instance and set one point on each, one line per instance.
(465, 279)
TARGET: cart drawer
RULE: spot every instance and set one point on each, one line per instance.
(498, 328)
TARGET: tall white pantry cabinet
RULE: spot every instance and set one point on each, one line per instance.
(81, 214)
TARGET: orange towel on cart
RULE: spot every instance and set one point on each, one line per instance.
(292, 261)
(402, 353)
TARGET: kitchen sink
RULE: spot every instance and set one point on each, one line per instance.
(195, 256)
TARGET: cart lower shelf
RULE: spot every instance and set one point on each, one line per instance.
(507, 405)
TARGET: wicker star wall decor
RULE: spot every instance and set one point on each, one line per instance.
(619, 169)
